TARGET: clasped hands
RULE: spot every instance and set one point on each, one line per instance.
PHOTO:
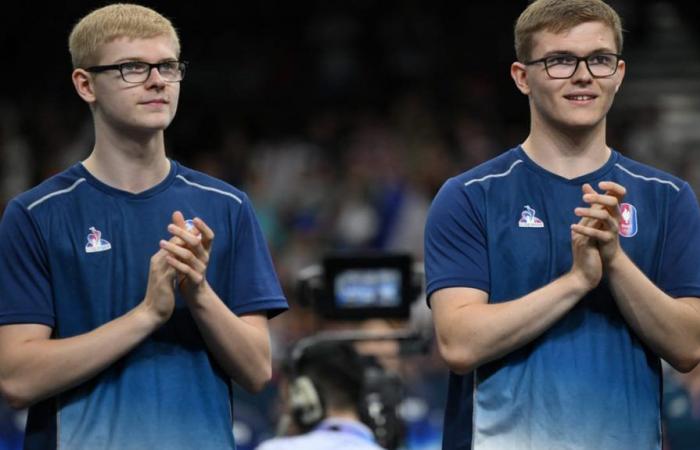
(595, 238)
(187, 252)
(600, 221)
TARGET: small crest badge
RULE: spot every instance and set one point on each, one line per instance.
(528, 219)
(95, 243)
(628, 222)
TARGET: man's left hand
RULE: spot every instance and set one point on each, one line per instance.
(604, 213)
(189, 251)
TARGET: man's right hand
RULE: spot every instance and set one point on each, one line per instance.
(159, 302)
(587, 265)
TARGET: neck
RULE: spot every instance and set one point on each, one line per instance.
(132, 164)
(343, 414)
(568, 153)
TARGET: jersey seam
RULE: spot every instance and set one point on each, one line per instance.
(67, 190)
(493, 175)
(442, 283)
(209, 188)
(245, 308)
(645, 178)
(25, 314)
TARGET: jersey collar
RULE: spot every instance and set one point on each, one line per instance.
(587, 178)
(81, 171)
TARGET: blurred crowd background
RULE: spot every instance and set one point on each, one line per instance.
(341, 120)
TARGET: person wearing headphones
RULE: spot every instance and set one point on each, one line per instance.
(325, 396)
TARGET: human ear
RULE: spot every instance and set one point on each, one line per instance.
(82, 81)
(519, 74)
(620, 74)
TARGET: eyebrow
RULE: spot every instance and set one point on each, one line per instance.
(567, 52)
(136, 59)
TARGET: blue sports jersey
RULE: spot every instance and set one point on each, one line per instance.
(588, 382)
(75, 254)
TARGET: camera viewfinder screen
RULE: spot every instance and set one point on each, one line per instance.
(366, 288)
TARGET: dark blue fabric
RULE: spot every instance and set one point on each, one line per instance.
(504, 228)
(75, 254)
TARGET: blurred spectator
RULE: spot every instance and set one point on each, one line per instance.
(16, 168)
(681, 409)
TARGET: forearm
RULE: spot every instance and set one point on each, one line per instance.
(477, 333)
(669, 326)
(239, 346)
(36, 368)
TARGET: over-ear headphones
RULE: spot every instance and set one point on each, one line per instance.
(322, 369)
(335, 367)
(305, 403)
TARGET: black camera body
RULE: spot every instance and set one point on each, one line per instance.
(358, 286)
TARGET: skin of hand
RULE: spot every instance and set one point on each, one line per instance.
(160, 295)
(601, 220)
(188, 253)
(586, 257)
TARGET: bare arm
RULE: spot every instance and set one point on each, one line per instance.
(241, 345)
(669, 326)
(33, 366)
(471, 331)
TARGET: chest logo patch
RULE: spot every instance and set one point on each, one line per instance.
(95, 243)
(628, 220)
(528, 219)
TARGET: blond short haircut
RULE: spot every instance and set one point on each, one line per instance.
(114, 21)
(557, 16)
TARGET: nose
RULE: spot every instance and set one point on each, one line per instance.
(582, 73)
(154, 78)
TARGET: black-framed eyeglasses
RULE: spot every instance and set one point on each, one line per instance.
(562, 66)
(139, 71)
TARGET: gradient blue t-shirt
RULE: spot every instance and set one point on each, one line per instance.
(75, 254)
(588, 382)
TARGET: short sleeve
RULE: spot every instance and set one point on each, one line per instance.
(25, 286)
(255, 283)
(456, 253)
(679, 271)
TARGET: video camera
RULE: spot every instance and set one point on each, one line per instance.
(361, 286)
(358, 286)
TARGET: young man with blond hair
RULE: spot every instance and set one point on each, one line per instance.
(561, 271)
(123, 322)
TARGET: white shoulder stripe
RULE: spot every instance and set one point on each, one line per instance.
(658, 180)
(207, 188)
(495, 175)
(53, 194)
